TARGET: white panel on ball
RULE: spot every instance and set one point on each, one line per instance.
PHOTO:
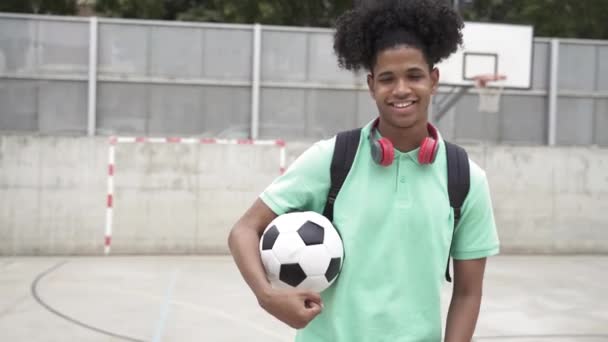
(272, 265)
(291, 222)
(314, 260)
(315, 283)
(287, 247)
(333, 242)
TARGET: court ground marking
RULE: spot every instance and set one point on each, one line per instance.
(14, 304)
(164, 311)
(6, 264)
(200, 308)
(231, 317)
(34, 292)
(225, 315)
(205, 309)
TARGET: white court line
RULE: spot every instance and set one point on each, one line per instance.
(6, 264)
(208, 310)
(164, 311)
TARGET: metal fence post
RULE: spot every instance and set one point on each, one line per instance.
(553, 92)
(255, 81)
(92, 81)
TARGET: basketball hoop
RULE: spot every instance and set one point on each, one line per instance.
(489, 96)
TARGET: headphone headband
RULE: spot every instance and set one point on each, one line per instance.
(383, 151)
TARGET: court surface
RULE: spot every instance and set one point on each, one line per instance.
(203, 298)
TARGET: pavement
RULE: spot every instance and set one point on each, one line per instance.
(203, 298)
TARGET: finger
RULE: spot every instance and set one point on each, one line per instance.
(314, 306)
(313, 296)
(309, 304)
(313, 310)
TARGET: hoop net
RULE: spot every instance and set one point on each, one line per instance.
(489, 95)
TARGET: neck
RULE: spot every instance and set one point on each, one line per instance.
(404, 139)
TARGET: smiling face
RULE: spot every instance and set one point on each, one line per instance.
(402, 83)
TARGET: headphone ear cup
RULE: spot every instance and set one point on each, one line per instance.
(388, 152)
(428, 150)
(434, 151)
(376, 150)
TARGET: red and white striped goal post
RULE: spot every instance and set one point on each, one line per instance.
(115, 140)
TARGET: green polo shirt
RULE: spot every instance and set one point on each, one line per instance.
(396, 225)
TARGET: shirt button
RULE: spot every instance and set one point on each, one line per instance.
(402, 179)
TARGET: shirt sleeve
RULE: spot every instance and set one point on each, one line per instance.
(305, 184)
(475, 236)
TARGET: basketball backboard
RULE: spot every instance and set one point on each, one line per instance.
(498, 49)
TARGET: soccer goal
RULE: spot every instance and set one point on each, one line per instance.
(182, 195)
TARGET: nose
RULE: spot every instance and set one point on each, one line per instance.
(402, 88)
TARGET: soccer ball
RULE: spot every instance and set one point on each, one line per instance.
(301, 250)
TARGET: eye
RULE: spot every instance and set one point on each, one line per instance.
(385, 79)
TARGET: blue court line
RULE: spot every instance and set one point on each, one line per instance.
(164, 311)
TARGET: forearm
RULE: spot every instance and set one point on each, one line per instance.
(462, 317)
(244, 246)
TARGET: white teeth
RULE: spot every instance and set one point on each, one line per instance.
(403, 104)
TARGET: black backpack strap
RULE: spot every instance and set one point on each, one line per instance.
(459, 181)
(345, 150)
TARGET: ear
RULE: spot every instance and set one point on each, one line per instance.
(370, 84)
(434, 80)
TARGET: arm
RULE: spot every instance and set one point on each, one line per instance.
(466, 300)
(243, 242)
(475, 239)
(294, 307)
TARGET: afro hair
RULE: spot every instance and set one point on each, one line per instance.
(432, 26)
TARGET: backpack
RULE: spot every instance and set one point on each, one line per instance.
(345, 149)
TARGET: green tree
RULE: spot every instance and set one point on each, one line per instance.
(64, 7)
(551, 18)
(272, 12)
(140, 9)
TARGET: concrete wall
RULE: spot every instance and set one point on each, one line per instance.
(176, 198)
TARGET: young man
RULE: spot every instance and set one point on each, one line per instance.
(393, 211)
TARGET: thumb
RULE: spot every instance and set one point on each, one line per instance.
(313, 301)
(313, 309)
(313, 297)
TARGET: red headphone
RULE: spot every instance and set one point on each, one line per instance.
(383, 151)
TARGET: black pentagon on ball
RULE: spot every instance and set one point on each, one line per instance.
(333, 269)
(292, 274)
(270, 237)
(311, 233)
